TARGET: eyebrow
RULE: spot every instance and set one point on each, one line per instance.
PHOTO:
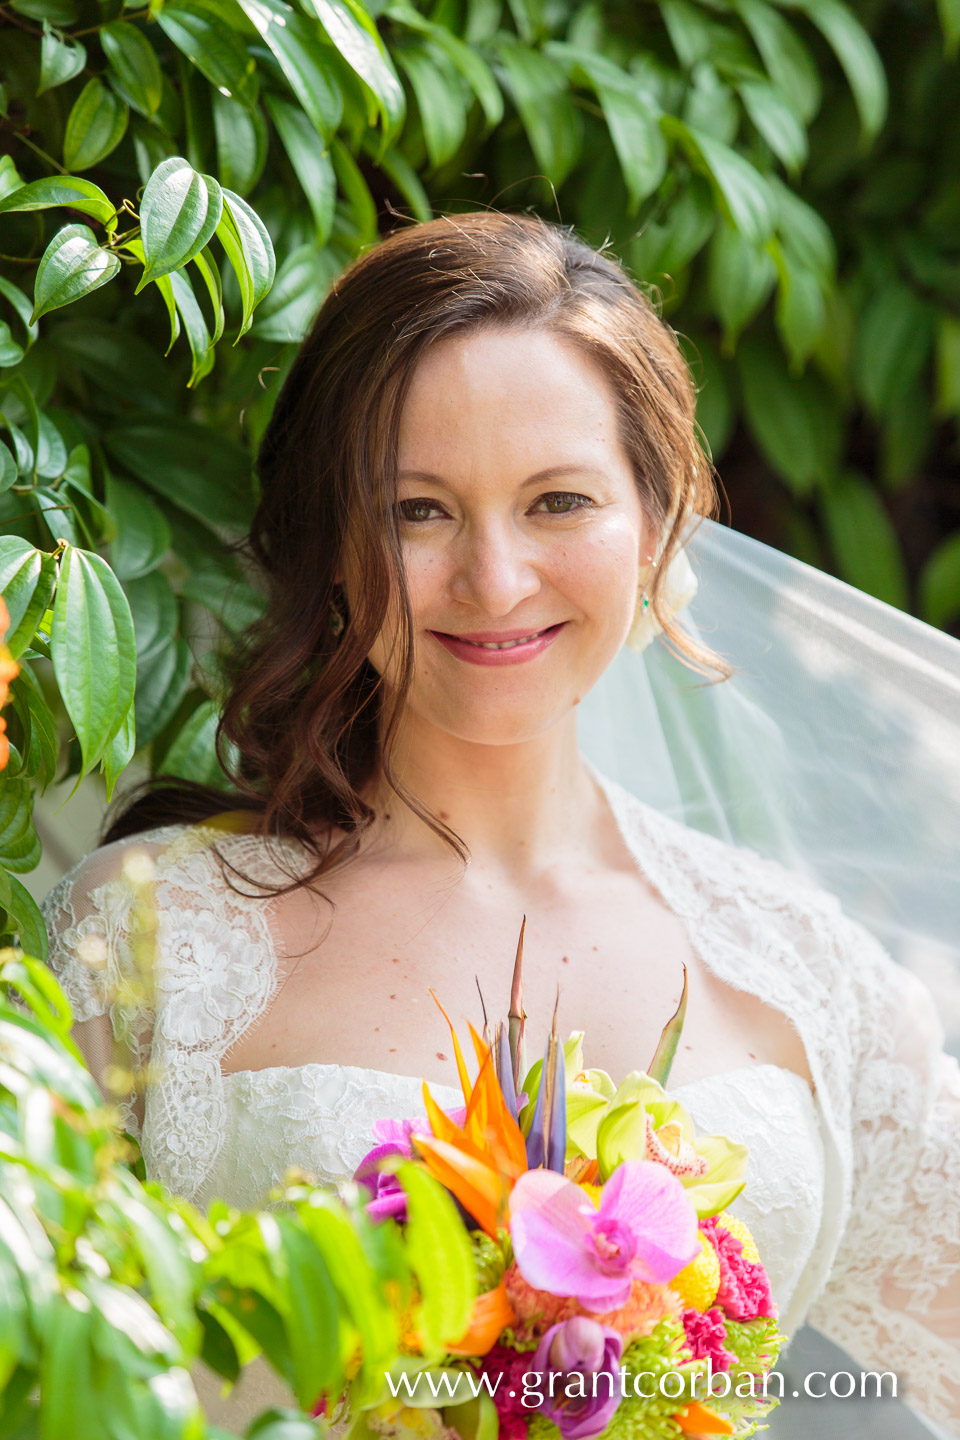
(552, 472)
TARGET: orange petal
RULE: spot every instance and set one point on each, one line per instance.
(699, 1419)
(465, 1085)
(445, 1129)
(478, 1187)
(491, 1314)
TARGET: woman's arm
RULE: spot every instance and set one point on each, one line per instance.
(893, 1297)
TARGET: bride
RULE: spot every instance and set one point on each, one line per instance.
(477, 484)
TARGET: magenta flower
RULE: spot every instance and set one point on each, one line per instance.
(388, 1199)
(587, 1357)
(645, 1229)
(398, 1132)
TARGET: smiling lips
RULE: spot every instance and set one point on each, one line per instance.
(506, 648)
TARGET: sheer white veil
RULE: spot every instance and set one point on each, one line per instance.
(834, 748)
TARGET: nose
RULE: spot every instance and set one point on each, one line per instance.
(493, 569)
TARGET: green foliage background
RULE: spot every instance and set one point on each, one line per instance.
(179, 184)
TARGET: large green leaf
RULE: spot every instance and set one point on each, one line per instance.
(353, 33)
(93, 647)
(72, 265)
(27, 579)
(199, 31)
(539, 89)
(95, 126)
(789, 63)
(776, 122)
(301, 57)
(743, 192)
(163, 677)
(858, 56)
(190, 465)
(302, 281)
(134, 62)
(179, 213)
(441, 101)
(249, 249)
(311, 161)
(740, 279)
(895, 341)
(633, 124)
(192, 755)
(940, 582)
(241, 135)
(794, 420)
(69, 190)
(467, 60)
(143, 533)
(61, 58)
(864, 539)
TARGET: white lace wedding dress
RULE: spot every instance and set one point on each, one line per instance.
(853, 1190)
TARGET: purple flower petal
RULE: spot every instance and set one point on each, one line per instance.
(583, 1348)
(651, 1202)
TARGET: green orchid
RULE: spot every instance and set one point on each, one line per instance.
(639, 1120)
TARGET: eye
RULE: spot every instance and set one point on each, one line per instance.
(417, 510)
(562, 502)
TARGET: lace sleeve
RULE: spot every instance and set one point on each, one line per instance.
(893, 1297)
(98, 954)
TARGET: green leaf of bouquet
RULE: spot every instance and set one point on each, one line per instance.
(72, 266)
(249, 249)
(93, 647)
(353, 33)
(311, 1307)
(218, 51)
(27, 580)
(179, 212)
(61, 58)
(440, 1255)
(134, 61)
(360, 1288)
(301, 57)
(726, 1175)
(70, 190)
(95, 126)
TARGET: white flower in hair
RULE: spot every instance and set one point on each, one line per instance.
(679, 587)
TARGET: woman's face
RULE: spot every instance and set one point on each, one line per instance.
(522, 534)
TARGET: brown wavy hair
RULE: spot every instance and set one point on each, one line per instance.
(306, 714)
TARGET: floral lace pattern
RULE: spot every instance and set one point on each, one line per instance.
(883, 1272)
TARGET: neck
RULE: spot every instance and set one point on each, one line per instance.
(519, 806)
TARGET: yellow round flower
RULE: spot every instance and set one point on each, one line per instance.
(740, 1232)
(698, 1283)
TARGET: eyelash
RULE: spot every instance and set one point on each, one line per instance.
(581, 502)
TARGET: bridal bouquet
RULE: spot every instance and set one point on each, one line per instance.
(617, 1296)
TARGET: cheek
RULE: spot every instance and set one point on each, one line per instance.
(598, 569)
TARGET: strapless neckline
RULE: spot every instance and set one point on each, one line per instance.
(320, 1067)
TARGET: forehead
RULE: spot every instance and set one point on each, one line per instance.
(508, 397)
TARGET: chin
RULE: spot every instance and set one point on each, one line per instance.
(496, 724)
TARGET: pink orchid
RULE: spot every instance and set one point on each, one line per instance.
(645, 1229)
